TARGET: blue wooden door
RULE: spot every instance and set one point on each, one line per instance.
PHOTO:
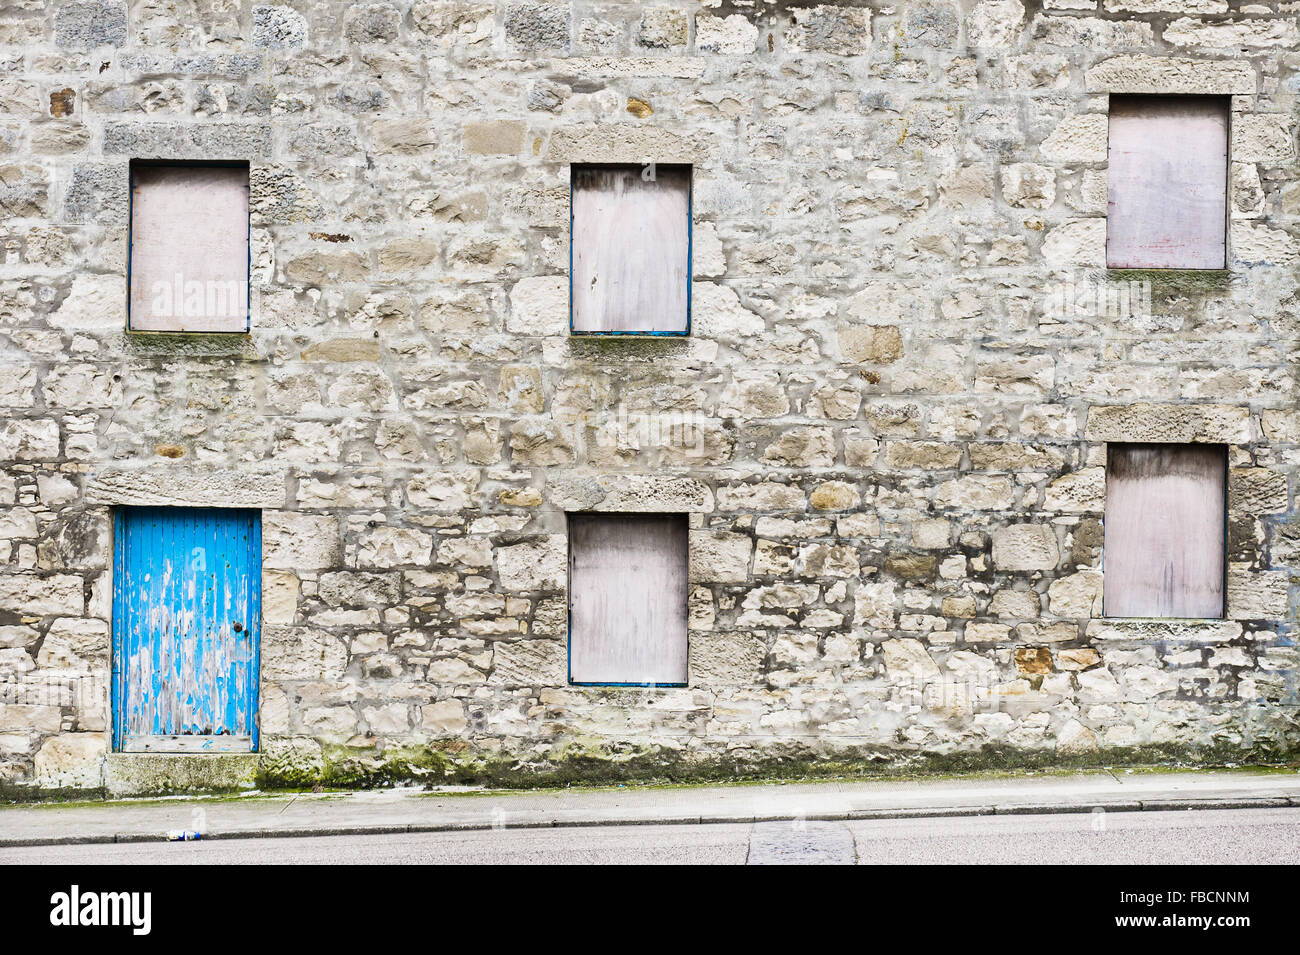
(186, 626)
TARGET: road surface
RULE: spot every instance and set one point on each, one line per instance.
(1240, 836)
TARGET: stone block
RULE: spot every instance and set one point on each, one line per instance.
(1025, 547)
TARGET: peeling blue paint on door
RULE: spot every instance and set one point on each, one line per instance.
(187, 619)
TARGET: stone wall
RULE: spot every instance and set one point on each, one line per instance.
(888, 424)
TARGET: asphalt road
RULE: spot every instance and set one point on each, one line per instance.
(1243, 836)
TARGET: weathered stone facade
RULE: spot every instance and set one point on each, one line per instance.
(888, 424)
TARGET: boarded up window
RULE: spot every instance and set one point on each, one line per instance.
(627, 598)
(189, 248)
(1164, 545)
(1168, 182)
(631, 257)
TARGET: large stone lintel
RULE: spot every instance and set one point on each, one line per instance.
(226, 141)
(182, 487)
(1194, 424)
(1167, 74)
(621, 143)
(630, 493)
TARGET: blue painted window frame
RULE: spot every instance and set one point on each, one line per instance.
(690, 249)
(130, 235)
(568, 619)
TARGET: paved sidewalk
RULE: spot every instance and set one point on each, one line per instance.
(409, 810)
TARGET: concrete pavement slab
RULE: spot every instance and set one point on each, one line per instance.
(256, 815)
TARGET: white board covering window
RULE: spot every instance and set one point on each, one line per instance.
(189, 247)
(1167, 185)
(627, 598)
(1164, 547)
(631, 250)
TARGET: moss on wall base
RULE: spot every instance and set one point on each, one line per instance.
(160, 774)
(302, 764)
(650, 767)
(596, 765)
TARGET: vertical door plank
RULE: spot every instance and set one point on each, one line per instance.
(627, 598)
(1167, 183)
(187, 628)
(631, 249)
(189, 248)
(1164, 547)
